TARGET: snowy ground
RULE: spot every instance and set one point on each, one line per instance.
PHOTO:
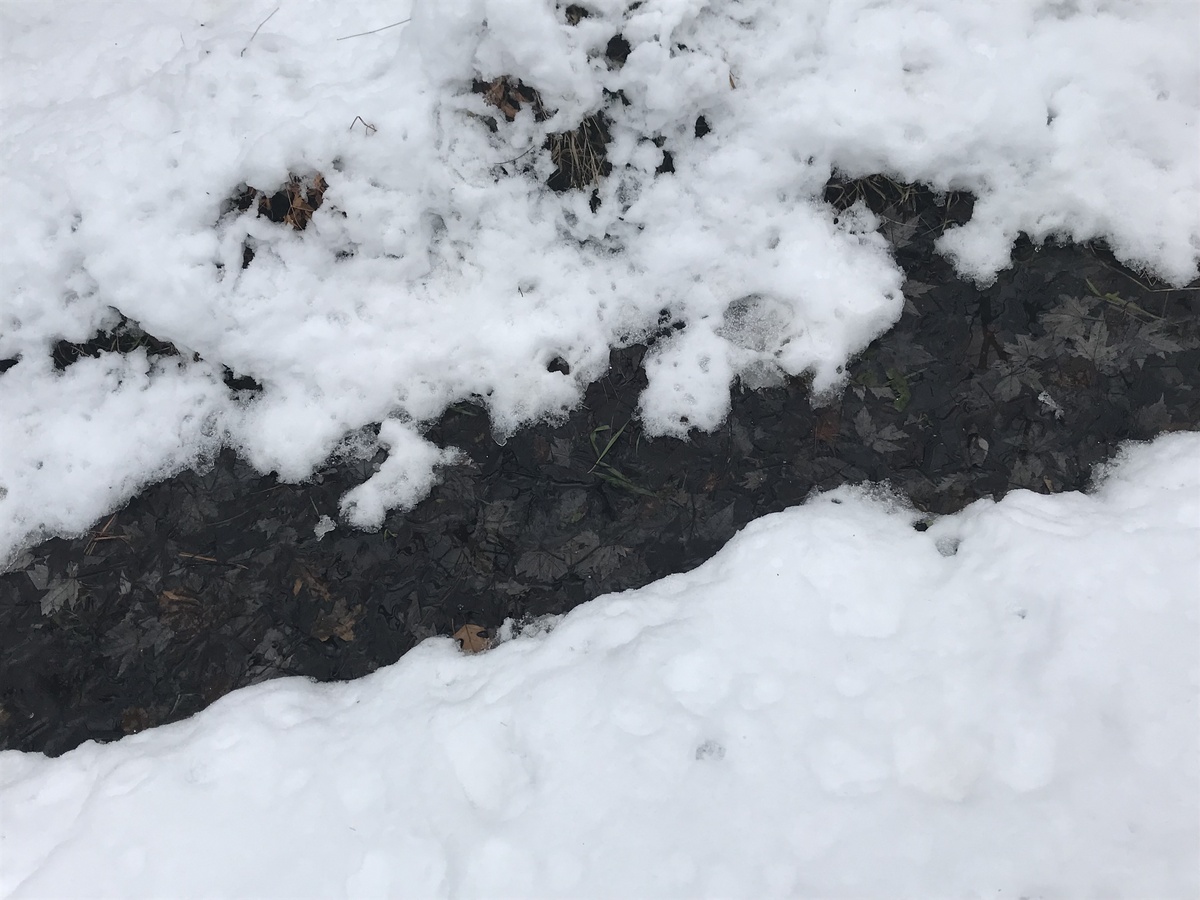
(430, 276)
(1004, 705)
(837, 705)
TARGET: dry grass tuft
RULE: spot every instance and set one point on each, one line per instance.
(580, 155)
(874, 191)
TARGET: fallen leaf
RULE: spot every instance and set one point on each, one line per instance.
(1150, 341)
(338, 622)
(579, 547)
(1071, 318)
(473, 639)
(39, 575)
(336, 617)
(603, 561)
(60, 593)
(1095, 348)
(541, 566)
(828, 425)
(899, 233)
(915, 288)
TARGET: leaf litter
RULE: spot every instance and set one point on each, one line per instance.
(217, 579)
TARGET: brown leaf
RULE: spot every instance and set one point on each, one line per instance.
(316, 193)
(134, 719)
(299, 212)
(473, 639)
(508, 95)
(307, 578)
(337, 618)
(338, 623)
(302, 195)
(494, 93)
(829, 423)
(180, 610)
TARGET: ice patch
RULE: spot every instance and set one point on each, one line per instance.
(324, 525)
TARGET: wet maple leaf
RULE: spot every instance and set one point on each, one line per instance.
(1071, 318)
(604, 561)
(881, 440)
(541, 565)
(1094, 346)
(1150, 340)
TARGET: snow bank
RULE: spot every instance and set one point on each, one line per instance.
(835, 705)
(441, 268)
(104, 429)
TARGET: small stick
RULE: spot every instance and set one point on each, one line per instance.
(509, 162)
(102, 535)
(257, 30)
(374, 30)
(210, 559)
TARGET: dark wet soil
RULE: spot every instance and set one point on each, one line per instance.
(215, 580)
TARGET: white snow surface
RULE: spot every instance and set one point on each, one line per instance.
(836, 705)
(435, 272)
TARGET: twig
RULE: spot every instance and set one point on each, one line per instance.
(209, 559)
(257, 30)
(1116, 301)
(103, 535)
(374, 30)
(197, 556)
(509, 162)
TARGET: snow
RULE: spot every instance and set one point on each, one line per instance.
(836, 704)
(436, 272)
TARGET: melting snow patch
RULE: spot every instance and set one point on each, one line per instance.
(404, 478)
